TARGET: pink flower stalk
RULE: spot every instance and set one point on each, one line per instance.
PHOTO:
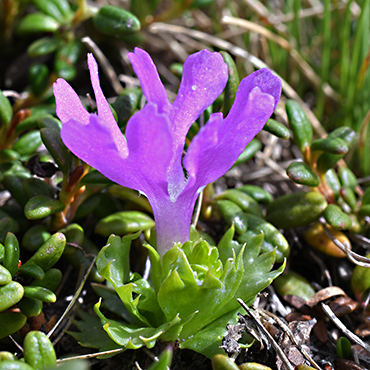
(149, 158)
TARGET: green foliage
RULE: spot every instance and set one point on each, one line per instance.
(193, 270)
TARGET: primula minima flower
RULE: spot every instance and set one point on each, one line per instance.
(149, 157)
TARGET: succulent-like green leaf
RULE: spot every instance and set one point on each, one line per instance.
(37, 22)
(114, 21)
(336, 218)
(41, 206)
(300, 125)
(124, 222)
(296, 209)
(277, 129)
(301, 173)
(241, 199)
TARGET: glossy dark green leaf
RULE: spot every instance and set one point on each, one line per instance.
(34, 186)
(43, 46)
(301, 173)
(336, 218)
(49, 253)
(7, 224)
(35, 237)
(328, 160)
(38, 350)
(249, 152)
(65, 70)
(272, 239)
(49, 8)
(232, 83)
(233, 214)
(87, 206)
(257, 193)
(347, 178)
(56, 148)
(126, 104)
(38, 77)
(41, 206)
(364, 210)
(50, 123)
(243, 200)
(11, 253)
(8, 155)
(69, 52)
(11, 322)
(64, 7)
(28, 143)
(10, 294)
(39, 292)
(277, 129)
(50, 281)
(122, 223)
(95, 177)
(37, 22)
(349, 197)
(30, 122)
(291, 283)
(6, 112)
(114, 21)
(332, 180)
(30, 307)
(14, 183)
(330, 145)
(296, 209)
(32, 270)
(300, 125)
(5, 276)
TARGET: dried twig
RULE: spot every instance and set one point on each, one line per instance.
(271, 340)
(342, 327)
(289, 333)
(74, 299)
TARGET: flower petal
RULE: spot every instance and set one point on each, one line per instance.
(104, 111)
(203, 80)
(266, 81)
(150, 82)
(68, 103)
(219, 143)
(149, 140)
(95, 143)
(102, 105)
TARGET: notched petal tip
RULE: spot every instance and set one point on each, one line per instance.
(268, 82)
(150, 82)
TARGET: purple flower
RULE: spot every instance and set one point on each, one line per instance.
(149, 158)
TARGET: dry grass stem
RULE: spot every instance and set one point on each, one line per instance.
(300, 62)
(104, 64)
(237, 51)
(343, 328)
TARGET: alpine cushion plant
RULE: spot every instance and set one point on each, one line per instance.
(149, 158)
